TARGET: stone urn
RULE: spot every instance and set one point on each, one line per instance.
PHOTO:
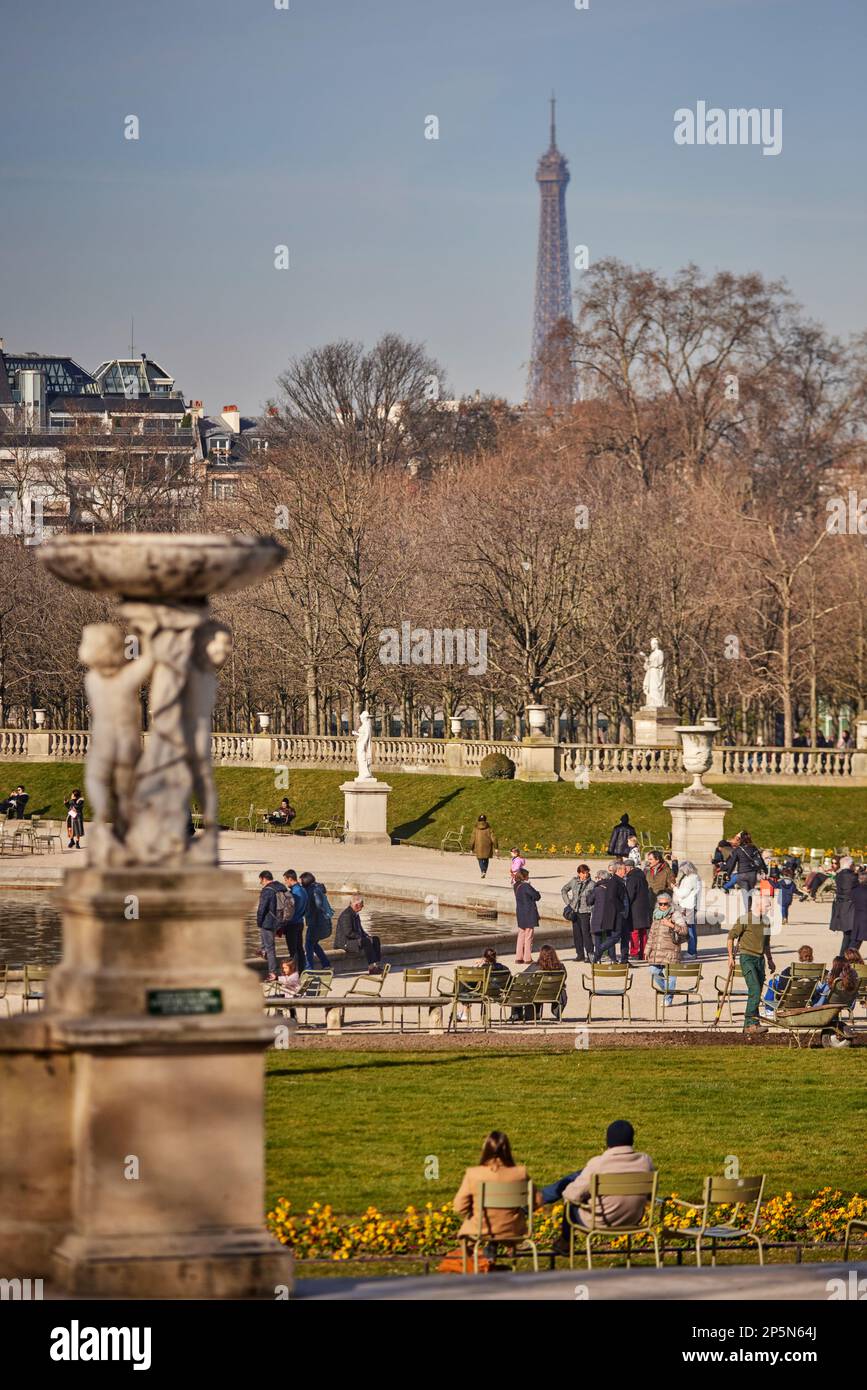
(537, 716)
(697, 741)
(39, 718)
(264, 721)
(455, 725)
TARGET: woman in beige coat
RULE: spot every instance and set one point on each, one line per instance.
(483, 844)
(495, 1165)
(667, 934)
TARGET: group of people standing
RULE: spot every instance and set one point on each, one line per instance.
(298, 910)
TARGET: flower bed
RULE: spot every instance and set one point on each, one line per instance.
(317, 1234)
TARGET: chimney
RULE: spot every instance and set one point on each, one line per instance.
(232, 418)
(195, 410)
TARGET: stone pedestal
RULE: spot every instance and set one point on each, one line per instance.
(538, 761)
(366, 813)
(697, 817)
(158, 1136)
(652, 727)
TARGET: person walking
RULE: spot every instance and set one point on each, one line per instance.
(638, 895)
(753, 940)
(659, 876)
(604, 919)
(319, 916)
(578, 908)
(859, 903)
(618, 843)
(527, 913)
(293, 925)
(667, 932)
(74, 818)
(268, 918)
(843, 910)
(483, 843)
(686, 898)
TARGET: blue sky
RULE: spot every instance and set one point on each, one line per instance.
(261, 127)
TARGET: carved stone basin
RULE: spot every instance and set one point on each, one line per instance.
(156, 565)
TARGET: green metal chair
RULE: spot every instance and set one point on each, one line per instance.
(247, 819)
(46, 833)
(468, 988)
(520, 995)
(738, 1193)
(609, 981)
(453, 840)
(854, 1225)
(550, 988)
(808, 970)
(421, 975)
(614, 1185)
(34, 976)
(679, 980)
(12, 975)
(500, 1196)
(370, 986)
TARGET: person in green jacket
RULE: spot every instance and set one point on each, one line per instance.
(752, 938)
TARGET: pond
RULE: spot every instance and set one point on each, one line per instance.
(30, 925)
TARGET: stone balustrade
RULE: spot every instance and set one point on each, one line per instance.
(606, 762)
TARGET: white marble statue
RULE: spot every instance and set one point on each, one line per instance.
(363, 738)
(654, 676)
(112, 686)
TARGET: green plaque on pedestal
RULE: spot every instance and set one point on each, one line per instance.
(168, 1002)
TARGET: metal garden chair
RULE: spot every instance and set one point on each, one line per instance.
(739, 1193)
(614, 1185)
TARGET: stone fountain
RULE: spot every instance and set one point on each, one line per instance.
(697, 813)
(142, 1080)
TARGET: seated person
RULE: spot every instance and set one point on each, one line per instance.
(284, 815)
(15, 803)
(547, 959)
(841, 986)
(814, 880)
(776, 984)
(500, 974)
(350, 935)
(496, 1164)
(619, 1157)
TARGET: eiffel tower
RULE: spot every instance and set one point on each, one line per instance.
(551, 380)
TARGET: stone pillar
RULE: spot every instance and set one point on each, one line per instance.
(538, 761)
(262, 750)
(37, 745)
(652, 727)
(697, 818)
(366, 812)
(165, 1027)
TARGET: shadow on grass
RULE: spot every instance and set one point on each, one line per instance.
(419, 1059)
(408, 828)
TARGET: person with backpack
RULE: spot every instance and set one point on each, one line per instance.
(294, 908)
(268, 918)
(319, 917)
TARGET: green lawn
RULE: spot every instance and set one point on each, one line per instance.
(354, 1129)
(423, 808)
